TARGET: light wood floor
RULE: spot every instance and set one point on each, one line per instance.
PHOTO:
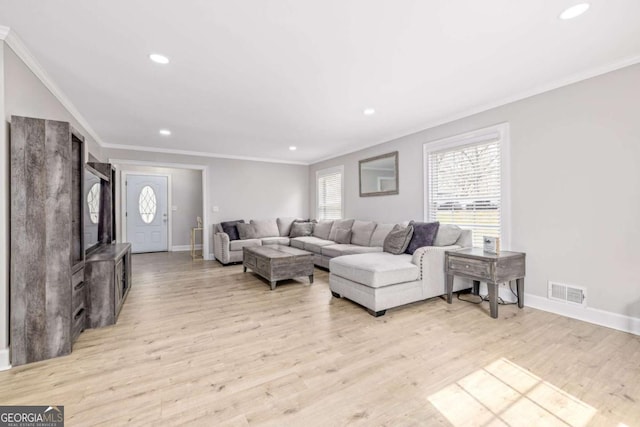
(200, 344)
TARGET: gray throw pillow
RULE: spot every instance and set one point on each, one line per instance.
(342, 236)
(300, 229)
(322, 228)
(448, 234)
(246, 231)
(398, 239)
(229, 227)
(424, 233)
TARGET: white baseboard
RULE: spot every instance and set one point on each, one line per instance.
(183, 248)
(586, 314)
(5, 360)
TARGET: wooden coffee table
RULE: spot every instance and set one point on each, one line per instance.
(276, 262)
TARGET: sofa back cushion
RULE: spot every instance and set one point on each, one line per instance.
(448, 234)
(246, 231)
(284, 225)
(343, 236)
(361, 232)
(322, 229)
(343, 224)
(379, 234)
(265, 228)
(398, 239)
(230, 228)
(424, 233)
(300, 229)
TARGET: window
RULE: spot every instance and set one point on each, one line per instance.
(93, 202)
(329, 189)
(466, 182)
(147, 204)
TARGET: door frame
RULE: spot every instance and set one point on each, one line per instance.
(123, 203)
(205, 199)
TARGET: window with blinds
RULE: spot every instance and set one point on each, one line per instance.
(330, 193)
(465, 182)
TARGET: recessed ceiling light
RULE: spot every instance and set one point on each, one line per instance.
(369, 111)
(165, 132)
(574, 11)
(293, 148)
(160, 59)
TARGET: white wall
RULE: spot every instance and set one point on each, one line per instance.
(574, 181)
(186, 194)
(240, 189)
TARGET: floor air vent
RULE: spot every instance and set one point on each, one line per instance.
(567, 293)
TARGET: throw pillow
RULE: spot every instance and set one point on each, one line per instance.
(448, 234)
(344, 224)
(300, 229)
(265, 228)
(246, 231)
(230, 228)
(343, 236)
(284, 225)
(398, 239)
(424, 233)
(322, 228)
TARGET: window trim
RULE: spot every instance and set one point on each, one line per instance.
(502, 131)
(328, 171)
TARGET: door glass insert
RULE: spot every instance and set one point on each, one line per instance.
(147, 204)
(93, 202)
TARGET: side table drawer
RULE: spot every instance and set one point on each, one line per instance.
(469, 266)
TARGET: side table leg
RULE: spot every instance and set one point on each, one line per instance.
(493, 299)
(476, 287)
(449, 288)
(520, 288)
(273, 284)
(244, 268)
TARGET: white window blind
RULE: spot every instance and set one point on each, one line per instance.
(329, 189)
(464, 184)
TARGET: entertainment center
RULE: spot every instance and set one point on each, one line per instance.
(67, 272)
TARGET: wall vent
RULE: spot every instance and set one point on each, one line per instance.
(567, 293)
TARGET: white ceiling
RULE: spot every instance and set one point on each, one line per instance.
(252, 77)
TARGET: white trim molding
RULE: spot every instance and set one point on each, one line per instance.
(608, 319)
(5, 359)
(184, 248)
(20, 49)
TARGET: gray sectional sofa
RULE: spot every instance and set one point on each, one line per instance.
(360, 271)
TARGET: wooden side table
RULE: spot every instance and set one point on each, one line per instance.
(193, 242)
(481, 266)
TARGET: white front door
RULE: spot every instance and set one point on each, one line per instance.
(147, 214)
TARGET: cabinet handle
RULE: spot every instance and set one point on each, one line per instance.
(78, 314)
(466, 266)
(79, 286)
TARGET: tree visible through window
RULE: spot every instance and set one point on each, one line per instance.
(329, 193)
(464, 182)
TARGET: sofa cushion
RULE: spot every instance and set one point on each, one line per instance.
(322, 229)
(344, 224)
(284, 225)
(361, 232)
(246, 231)
(379, 234)
(347, 249)
(376, 269)
(230, 228)
(275, 241)
(343, 236)
(237, 245)
(313, 244)
(448, 234)
(398, 239)
(297, 242)
(424, 233)
(301, 229)
(265, 228)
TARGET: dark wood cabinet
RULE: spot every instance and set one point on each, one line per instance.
(108, 278)
(47, 255)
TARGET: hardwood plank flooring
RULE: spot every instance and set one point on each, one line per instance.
(201, 344)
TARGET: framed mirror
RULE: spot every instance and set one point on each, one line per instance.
(379, 175)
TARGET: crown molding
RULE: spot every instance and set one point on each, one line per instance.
(557, 84)
(17, 45)
(200, 154)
